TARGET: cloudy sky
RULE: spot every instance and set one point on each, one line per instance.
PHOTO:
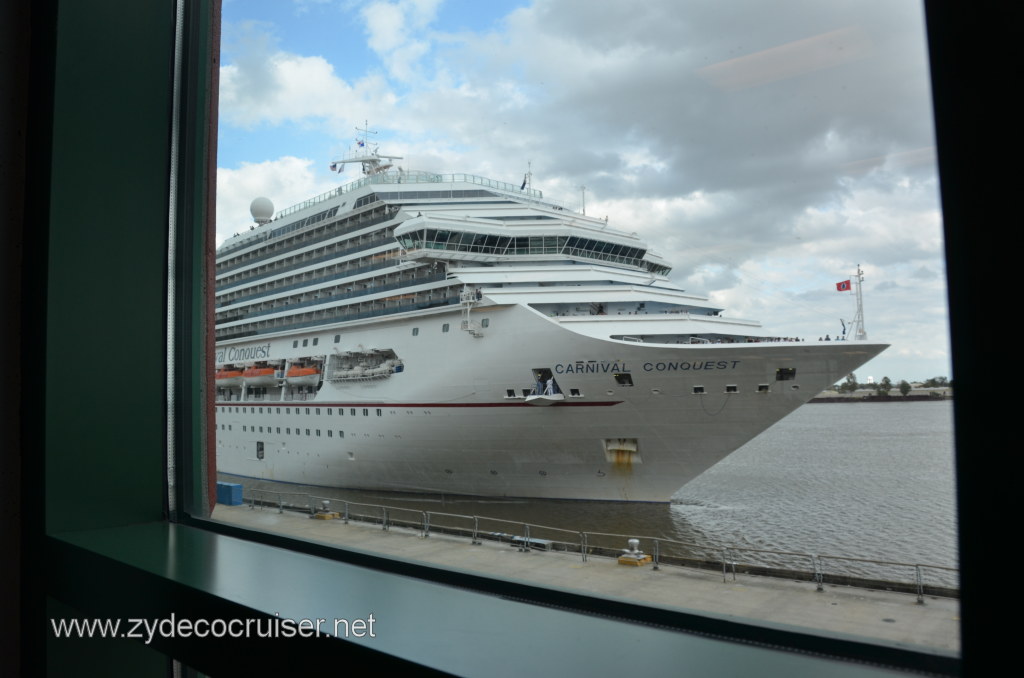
(764, 149)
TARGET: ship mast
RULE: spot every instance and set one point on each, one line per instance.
(857, 328)
(372, 161)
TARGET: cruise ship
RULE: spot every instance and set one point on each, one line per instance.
(448, 333)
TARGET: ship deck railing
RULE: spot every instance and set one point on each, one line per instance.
(312, 281)
(338, 254)
(334, 319)
(731, 560)
(413, 177)
(404, 177)
(291, 306)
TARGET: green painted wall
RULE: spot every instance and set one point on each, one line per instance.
(105, 316)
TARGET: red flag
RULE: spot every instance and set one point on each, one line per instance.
(843, 286)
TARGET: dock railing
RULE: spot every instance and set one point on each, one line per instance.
(817, 569)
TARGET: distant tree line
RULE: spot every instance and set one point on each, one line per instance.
(883, 387)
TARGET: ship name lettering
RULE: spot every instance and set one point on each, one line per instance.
(695, 365)
(244, 353)
(580, 367)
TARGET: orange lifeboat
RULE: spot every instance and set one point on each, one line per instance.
(303, 374)
(260, 375)
(228, 376)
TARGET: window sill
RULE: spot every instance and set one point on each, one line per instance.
(450, 621)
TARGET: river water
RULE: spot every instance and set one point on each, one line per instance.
(864, 480)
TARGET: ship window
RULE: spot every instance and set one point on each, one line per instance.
(259, 450)
(763, 388)
(288, 430)
(307, 431)
(337, 338)
(341, 434)
(444, 328)
(352, 411)
(330, 433)
(379, 412)
(328, 410)
(698, 390)
(731, 388)
(243, 427)
(287, 410)
(624, 379)
(295, 344)
(510, 393)
(366, 411)
(307, 410)
(318, 433)
(486, 322)
(318, 411)
(316, 340)
(279, 410)
(305, 342)
(278, 429)
(785, 374)
(415, 331)
(574, 392)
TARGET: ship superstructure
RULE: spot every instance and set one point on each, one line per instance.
(450, 333)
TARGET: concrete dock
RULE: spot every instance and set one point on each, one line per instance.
(877, 616)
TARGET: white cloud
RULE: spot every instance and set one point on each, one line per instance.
(281, 87)
(286, 181)
(762, 195)
(390, 27)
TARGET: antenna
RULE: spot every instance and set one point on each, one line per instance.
(365, 130)
(372, 161)
(583, 199)
(528, 177)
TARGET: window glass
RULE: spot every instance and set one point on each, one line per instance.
(780, 139)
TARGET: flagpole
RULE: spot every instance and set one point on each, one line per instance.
(858, 320)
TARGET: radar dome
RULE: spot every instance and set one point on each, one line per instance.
(262, 210)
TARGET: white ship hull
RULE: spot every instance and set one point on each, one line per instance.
(446, 422)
